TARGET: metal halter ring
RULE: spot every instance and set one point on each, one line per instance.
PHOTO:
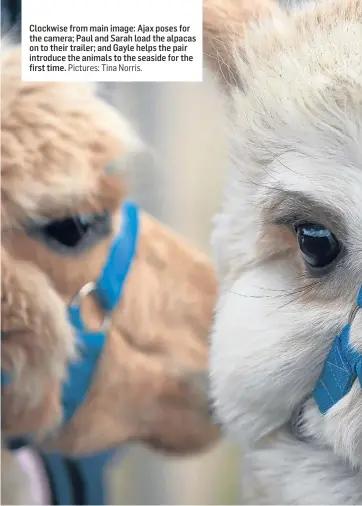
(86, 290)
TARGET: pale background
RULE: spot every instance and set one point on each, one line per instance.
(180, 184)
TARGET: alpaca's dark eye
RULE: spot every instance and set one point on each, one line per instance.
(318, 245)
(73, 234)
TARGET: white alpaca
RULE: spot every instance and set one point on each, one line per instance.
(288, 247)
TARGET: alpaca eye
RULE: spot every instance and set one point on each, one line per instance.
(73, 234)
(318, 245)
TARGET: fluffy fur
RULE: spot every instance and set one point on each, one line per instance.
(59, 145)
(223, 22)
(295, 133)
(36, 367)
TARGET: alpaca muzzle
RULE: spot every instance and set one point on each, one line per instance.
(343, 366)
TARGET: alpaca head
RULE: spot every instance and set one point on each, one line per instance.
(61, 198)
(287, 240)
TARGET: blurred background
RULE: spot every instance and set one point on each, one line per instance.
(179, 182)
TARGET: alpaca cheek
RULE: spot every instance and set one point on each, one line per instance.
(260, 333)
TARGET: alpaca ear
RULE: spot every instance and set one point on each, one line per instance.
(224, 26)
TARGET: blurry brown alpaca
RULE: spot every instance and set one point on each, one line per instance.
(59, 145)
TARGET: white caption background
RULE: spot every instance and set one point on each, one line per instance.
(112, 40)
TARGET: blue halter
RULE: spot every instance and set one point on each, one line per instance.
(343, 366)
(107, 290)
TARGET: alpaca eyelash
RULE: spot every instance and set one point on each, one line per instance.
(289, 222)
(293, 207)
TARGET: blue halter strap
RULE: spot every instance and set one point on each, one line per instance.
(108, 290)
(343, 366)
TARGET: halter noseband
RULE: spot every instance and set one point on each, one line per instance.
(343, 366)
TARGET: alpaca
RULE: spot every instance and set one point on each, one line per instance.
(61, 195)
(287, 247)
